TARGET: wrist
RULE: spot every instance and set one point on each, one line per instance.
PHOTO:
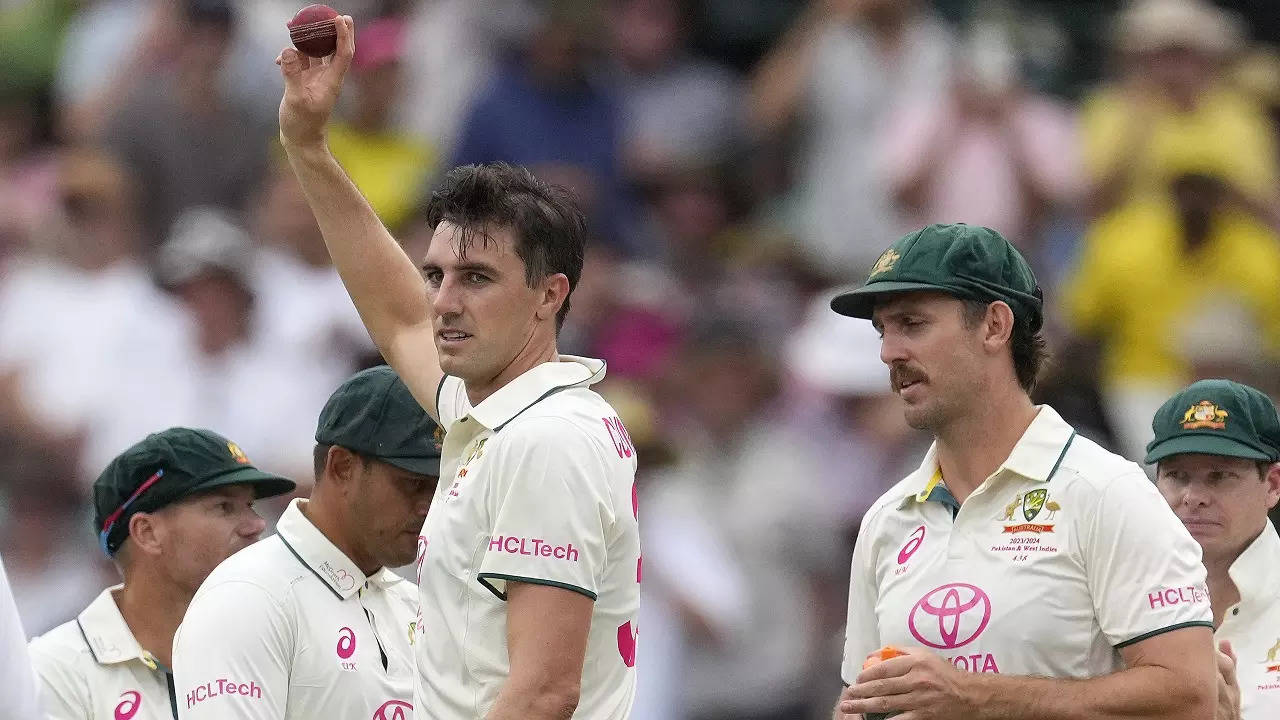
(310, 150)
(978, 696)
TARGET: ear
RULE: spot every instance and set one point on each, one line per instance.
(555, 288)
(1272, 479)
(997, 326)
(148, 533)
(341, 467)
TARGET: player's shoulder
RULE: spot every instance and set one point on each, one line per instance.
(575, 419)
(1087, 468)
(267, 565)
(64, 646)
(891, 500)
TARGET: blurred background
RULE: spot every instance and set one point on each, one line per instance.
(738, 159)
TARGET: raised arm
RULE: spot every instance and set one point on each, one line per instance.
(382, 280)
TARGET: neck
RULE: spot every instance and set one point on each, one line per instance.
(326, 514)
(533, 354)
(152, 607)
(1223, 592)
(1002, 419)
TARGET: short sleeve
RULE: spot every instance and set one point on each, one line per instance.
(64, 693)
(1143, 567)
(231, 655)
(862, 632)
(550, 508)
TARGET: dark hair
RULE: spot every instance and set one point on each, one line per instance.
(1028, 346)
(550, 230)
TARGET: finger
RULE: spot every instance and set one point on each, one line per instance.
(292, 65)
(1225, 647)
(879, 688)
(880, 705)
(341, 59)
(893, 667)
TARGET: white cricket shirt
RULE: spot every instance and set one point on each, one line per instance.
(1064, 555)
(537, 484)
(93, 668)
(15, 661)
(290, 628)
(1253, 626)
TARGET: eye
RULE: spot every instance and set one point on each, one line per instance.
(433, 276)
(476, 278)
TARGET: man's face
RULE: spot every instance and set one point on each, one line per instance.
(483, 312)
(388, 508)
(934, 359)
(1223, 501)
(201, 531)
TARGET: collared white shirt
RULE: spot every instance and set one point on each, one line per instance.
(289, 628)
(92, 668)
(1253, 626)
(15, 661)
(537, 484)
(1066, 554)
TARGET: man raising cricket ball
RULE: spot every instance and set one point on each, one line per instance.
(530, 554)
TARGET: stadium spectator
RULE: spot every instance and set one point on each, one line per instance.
(1170, 112)
(838, 74)
(1159, 268)
(153, 131)
(389, 167)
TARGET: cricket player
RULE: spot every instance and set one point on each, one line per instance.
(1026, 572)
(167, 511)
(530, 558)
(311, 623)
(1216, 448)
(15, 662)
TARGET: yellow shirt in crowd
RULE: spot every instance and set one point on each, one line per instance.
(390, 169)
(1136, 286)
(1226, 135)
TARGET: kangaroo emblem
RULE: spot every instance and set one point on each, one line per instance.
(1275, 650)
(1011, 507)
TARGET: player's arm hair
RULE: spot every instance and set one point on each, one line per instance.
(382, 280)
(547, 630)
(1170, 676)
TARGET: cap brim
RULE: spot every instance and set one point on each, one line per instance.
(859, 303)
(1204, 445)
(420, 465)
(265, 485)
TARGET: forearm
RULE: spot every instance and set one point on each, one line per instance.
(1133, 694)
(778, 86)
(522, 703)
(383, 282)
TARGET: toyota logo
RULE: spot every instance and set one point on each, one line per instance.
(394, 710)
(950, 616)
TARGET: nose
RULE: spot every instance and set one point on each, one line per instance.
(253, 525)
(892, 349)
(1196, 495)
(446, 299)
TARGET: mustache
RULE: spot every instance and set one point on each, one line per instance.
(900, 374)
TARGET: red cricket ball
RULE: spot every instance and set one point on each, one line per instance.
(314, 30)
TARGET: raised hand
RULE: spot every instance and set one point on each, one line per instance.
(311, 88)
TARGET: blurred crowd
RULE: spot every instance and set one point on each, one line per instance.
(738, 159)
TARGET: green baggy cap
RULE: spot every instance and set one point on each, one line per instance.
(373, 413)
(166, 467)
(967, 261)
(1216, 417)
